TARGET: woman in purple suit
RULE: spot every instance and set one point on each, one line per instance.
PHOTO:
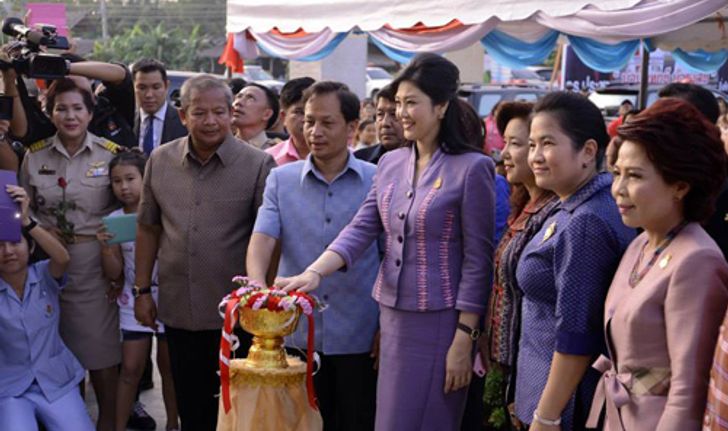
(434, 201)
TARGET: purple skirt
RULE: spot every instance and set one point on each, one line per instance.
(410, 394)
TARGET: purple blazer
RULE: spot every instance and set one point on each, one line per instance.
(438, 251)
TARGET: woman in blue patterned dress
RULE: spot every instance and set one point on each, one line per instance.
(566, 268)
(530, 206)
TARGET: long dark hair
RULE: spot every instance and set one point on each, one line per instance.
(439, 78)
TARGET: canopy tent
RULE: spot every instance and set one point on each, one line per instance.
(604, 33)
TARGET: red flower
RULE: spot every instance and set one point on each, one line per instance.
(62, 183)
(252, 299)
(273, 303)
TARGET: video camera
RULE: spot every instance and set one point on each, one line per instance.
(26, 56)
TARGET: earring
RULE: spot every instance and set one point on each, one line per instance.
(584, 165)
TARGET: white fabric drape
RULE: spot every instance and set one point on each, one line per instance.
(647, 19)
(448, 40)
(294, 47)
(343, 15)
(671, 23)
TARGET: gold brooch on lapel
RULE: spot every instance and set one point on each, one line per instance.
(549, 232)
(665, 260)
(438, 183)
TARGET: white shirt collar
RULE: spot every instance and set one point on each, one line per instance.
(159, 115)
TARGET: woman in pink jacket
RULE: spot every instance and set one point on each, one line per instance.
(669, 294)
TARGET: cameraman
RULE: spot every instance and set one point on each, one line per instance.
(114, 110)
(17, 125)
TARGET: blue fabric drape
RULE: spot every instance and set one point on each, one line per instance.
(700, 61)
(401, 57)
(328, 49)
(603, 57)
(517, 54)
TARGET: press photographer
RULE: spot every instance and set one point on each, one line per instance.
(26, 53)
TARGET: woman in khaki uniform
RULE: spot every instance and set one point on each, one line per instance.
(70, 169)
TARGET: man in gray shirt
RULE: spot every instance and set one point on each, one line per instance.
(199, 202)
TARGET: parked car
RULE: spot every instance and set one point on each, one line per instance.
(527, 78)
(176, 79)
(609, 98)
(376, 79)
(255, 73)
(543, 71)
(484, 97)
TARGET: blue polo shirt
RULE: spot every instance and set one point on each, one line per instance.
(30, 345)
(306, 213)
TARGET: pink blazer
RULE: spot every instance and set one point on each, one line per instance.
(666, 325)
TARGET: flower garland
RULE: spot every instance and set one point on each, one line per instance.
(253, 296)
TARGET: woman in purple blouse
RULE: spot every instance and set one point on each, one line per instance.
(434, 201)
(565, 269)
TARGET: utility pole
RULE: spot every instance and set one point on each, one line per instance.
(104, 22)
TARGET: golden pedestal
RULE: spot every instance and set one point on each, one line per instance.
(268, 329)
(265, 399)
(268, 389)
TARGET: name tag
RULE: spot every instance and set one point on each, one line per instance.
(45, 170)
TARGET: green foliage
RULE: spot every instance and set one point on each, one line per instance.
(493, 396)
(177, 48)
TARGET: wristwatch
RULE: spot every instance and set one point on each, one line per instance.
(139, 291)
(30, 226)
(473, 333)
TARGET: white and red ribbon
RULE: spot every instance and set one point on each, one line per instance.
(229, 342)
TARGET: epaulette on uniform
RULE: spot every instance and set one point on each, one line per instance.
(37, 146)
(109, 146)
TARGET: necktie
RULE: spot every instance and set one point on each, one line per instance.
(149, 136)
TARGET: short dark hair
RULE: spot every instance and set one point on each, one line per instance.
(386, 92)
(698, 96)
(236, 84)
(508, 111)
(439, 79)
(578, 118)
(348, 101)
(272, 99)
(363, 124)
(66, 85)
(292, 91)
(149, 65)
(129, 158)
(626, 102)
(684, 147)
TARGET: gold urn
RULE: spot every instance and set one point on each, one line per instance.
(268, 329)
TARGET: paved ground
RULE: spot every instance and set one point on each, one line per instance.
(152, 399)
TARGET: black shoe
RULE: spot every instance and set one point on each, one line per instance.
(140, 419)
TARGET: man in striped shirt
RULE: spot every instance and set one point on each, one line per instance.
(716, 411)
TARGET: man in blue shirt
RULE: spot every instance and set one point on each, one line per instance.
(305, 206)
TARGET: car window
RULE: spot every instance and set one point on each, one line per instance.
(256, 74)
(378, 74)
(486, 103)
(652, 96)
(525, 74)
(526, 97)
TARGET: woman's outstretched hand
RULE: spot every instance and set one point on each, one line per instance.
(304, 282)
